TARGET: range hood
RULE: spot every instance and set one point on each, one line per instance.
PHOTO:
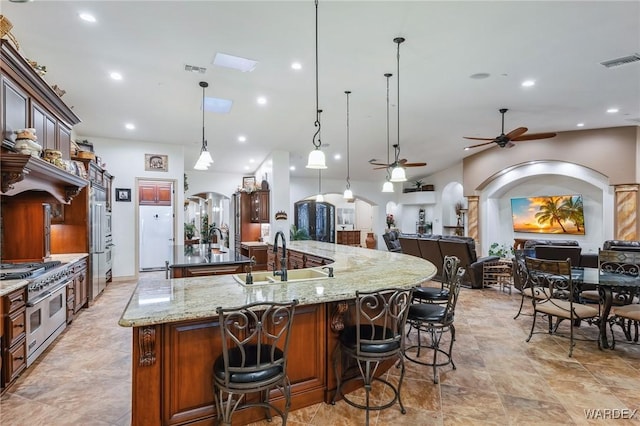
(22, 173)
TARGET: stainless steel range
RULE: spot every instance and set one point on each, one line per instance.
(46, 301)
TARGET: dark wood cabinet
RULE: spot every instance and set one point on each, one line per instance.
(259, 252)
(80, 282)
(260, 207)
(45, 125)
(244, 229)
(349, 238)
(15, 109)
(206, 270)
(29, 221)
(14, 342)
(154, 193)
(63, 140)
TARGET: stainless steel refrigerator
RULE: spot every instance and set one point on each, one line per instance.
(98, 209)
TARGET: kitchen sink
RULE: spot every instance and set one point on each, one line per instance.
(294, 275)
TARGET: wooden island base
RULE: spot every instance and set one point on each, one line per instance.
(173, 362)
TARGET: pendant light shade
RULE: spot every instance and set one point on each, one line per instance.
(316, 157)
(398, 173)
(319, 198)
(387, 187)
(205, 160)
(348, 194)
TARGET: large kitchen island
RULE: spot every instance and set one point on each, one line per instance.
(176, 337)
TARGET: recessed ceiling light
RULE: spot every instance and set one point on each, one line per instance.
(296, 66)
(251, 160)
(115, 75)
(261, 100)
(480, 75)
(528, 83)
(336, 156)
(130, 126)
(242, 138)
(292, 168)
(612, 110)
(234, 62)
(467, 148)
(87, 17)
(580, 125)
(246, 167)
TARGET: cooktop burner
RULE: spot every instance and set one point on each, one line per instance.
(18, 271)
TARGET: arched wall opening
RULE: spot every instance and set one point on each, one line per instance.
(546, 178)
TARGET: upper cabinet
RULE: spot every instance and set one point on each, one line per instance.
(260, 206)
(154, 193)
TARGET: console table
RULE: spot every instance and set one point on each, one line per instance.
(349, 238)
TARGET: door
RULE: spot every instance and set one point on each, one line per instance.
(156, 226)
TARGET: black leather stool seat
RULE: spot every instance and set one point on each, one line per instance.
(250, 361)
(431, 293)
(428, 312)
(348, 338)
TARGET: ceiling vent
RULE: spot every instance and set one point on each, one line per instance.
(621, 61)
(193, 68)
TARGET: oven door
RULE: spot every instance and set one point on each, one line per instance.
(46, 319)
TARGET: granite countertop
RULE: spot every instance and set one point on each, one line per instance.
(8, 286)
(204, 255)
(253, 243)
(169, 300)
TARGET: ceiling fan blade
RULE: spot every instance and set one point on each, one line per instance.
(516, 133)
(479, 139)
(380, 168)
(380, 164)
(534, 136)
(480, 144)
(414, 164)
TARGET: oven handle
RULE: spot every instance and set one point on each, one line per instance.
(45, 295)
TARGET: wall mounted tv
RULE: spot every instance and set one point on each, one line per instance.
(556, 214)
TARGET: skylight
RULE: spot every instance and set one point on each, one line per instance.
(220, 106)
(234, 62)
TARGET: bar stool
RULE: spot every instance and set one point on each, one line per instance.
(255, 341)
(376, 336)
(434, 294)
(435, 319)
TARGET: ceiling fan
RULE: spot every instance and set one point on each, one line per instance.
(402, 162)
(516, 135)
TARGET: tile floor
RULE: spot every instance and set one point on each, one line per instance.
(84, 378)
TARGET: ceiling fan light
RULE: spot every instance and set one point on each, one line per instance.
(316, 160)
(348, 194)
(387, 187)
(398, 175)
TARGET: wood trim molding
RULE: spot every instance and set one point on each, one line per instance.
(337, 318)
(147, 343)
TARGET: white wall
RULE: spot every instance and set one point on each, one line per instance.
(125, 161)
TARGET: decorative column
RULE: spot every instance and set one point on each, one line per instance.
(626, 216)
(472, 218)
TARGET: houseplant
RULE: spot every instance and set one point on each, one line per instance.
(501, 250)
(189, 230)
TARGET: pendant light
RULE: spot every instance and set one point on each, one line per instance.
(205, 160)
(388, 186)
(348, 194)
(398, 173)
(316, 157)
(320, 197)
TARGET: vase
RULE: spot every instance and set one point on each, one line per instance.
(370, 241)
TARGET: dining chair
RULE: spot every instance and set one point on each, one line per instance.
(616, 262)
(255, 342)
(435, 320)
(376, 336)
(522, 282)
(554, 295)
(624, 317)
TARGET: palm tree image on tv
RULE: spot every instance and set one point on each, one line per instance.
(559, 214)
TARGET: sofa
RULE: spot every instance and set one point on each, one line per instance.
(561, 250)
(621, 245)
(434, 247)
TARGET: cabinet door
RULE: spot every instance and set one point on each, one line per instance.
(15, 109)
(45, 125)
(147, 194)
(255, 208)
(164, 193)
(80, 287)
(263, 213)
(63, 141)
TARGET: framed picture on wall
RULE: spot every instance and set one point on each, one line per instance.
(123, 194)
(156, 163)
(346, 217)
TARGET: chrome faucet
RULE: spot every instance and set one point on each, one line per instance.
(283, 260)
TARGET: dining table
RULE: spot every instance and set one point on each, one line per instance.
(606, 283)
